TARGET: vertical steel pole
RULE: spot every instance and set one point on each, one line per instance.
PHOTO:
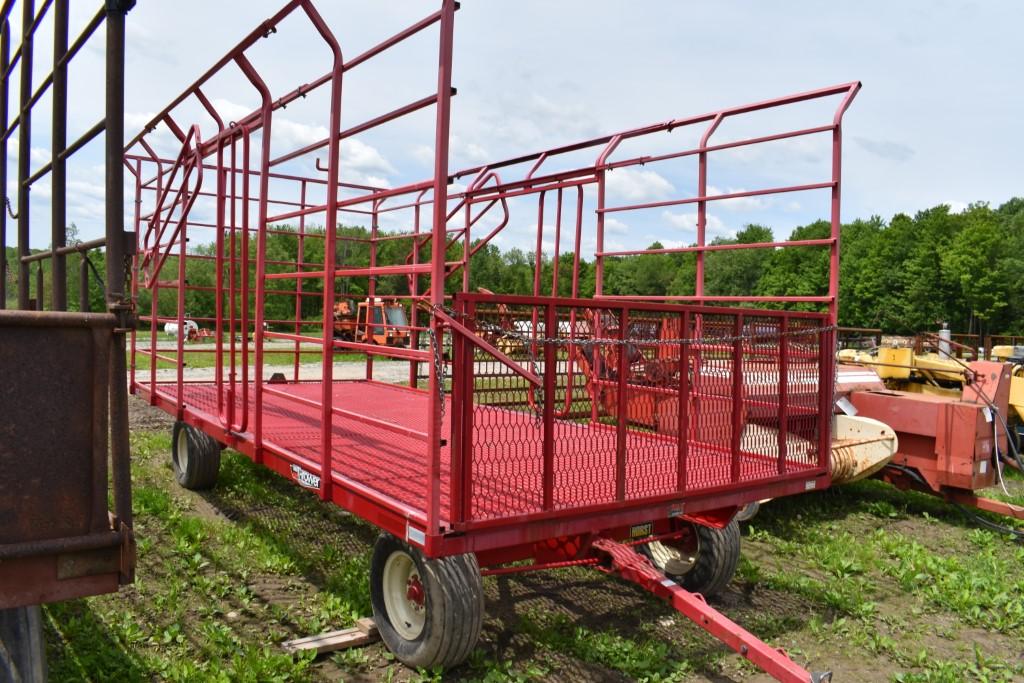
(683, 408)
(437, 257)
(414, 284)
(117, 301)
(300, 256)
(24, 150)
(622, 406)
(371, 287)
(5, 83)
(548, 445)
(266, 114)
(702, 204)
(736, 432)
(136, 222)
(59, 135)
(783, 443)
(558, 240)
(599, 248)
(330, 242)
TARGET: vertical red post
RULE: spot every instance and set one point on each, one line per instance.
(301, 259)
(623, 407)
(737, 397)
(459, 413)
(244, 276)
(468, 370)
(702, 204)
(683, 414)
(180, 375)
(266, 115)
(414, 284)
(218, 341)
(783, 394)
(599, 246)
(466, 244)
(826, 354)
(558, 240)
(330, 237)
(437, 257)
(84, 291)
(154, 307)
(550, 373)
(371, 282)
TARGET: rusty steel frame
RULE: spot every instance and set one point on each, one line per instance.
(48, 567)
(224, 164)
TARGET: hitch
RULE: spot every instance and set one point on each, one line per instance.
(627, 563)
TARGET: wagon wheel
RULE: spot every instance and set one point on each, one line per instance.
(703, 561)
(429, 612)
(195, 457)
(748, 511)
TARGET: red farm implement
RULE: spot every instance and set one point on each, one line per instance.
(563, 430)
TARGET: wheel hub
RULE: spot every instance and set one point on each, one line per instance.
(414, 591)
(405, 596)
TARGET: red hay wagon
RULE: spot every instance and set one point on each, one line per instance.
(607, 431)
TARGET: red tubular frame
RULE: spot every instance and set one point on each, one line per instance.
(447, 517)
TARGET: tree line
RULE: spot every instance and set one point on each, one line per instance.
(903, 275)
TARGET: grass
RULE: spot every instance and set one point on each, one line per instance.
(208, 359)
(873, 583)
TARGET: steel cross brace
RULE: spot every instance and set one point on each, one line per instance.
(624, 561)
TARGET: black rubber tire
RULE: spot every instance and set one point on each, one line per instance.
(200, 468)
(718, 554)
(22, 645)
(748, 511)
(454, 599)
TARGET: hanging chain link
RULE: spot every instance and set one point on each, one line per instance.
(439, 371)
(10, 211)
(487, 326)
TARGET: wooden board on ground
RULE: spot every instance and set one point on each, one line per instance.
(364, 633)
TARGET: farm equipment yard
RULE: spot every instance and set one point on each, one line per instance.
(868, 580)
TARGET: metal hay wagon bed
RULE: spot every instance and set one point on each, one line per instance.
(560, 429)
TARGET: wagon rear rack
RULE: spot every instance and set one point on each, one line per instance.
(526, 421)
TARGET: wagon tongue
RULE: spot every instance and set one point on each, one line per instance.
(630, 565)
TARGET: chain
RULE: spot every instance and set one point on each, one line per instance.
(439, 373)
(613, 341)
(10, 211)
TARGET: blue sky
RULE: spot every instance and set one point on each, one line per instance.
(938, 119)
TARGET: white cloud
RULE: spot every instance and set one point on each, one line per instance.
(688, 221)
(738, 203)
(614, 225)
(423, 154)
(359, 156)
(635, 185)
(377, 181)
(231, 111)
(956, 206)
(137, 120)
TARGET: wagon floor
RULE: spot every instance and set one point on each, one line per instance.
(508, 459)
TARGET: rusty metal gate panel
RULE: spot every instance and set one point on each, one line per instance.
(54, 522)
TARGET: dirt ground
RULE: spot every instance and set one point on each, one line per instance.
(868, 582)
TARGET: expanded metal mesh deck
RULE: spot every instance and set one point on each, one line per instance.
(507, 477)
